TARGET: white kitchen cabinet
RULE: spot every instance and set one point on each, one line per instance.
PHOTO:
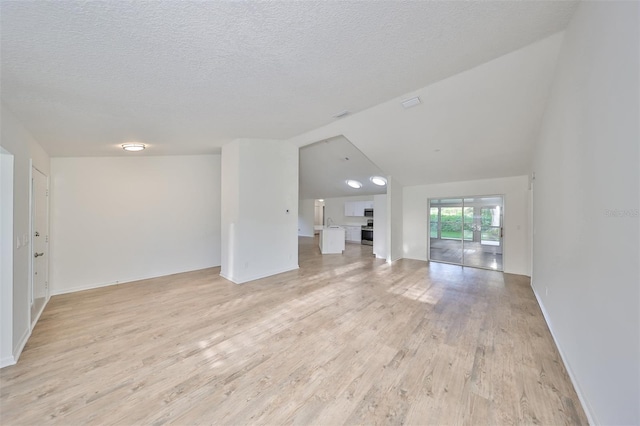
(353, 234)
(348, 233)
(356, 208)
(332, 240)
(357, 234)
(350, 208)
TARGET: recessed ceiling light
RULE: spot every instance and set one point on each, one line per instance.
(341, 114)
(408, 103)
(354, 184)
(133, 147)
(378, 180)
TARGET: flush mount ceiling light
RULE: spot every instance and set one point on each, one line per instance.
(354, 184)
(408, 103)
(378, 180)
(133, 147)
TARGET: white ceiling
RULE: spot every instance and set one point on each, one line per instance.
(478, 124)
(325, 167)
(187, 77)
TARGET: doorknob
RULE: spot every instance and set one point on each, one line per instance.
(38, 254)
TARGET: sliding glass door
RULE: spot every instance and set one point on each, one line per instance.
(467, 231)
(447, 231)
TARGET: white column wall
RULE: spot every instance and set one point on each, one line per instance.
(6, 258)
(259, 209)
(380, 226)
(395, 209)
(306, 216)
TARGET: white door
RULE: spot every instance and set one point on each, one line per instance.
(40, 243)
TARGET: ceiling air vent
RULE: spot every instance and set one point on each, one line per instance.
(408, 103)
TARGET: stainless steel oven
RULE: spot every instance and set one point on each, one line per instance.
(367, 235)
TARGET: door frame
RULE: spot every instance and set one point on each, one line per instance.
(33, 321)
(462, 197)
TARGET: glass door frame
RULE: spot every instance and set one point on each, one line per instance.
(463, 239)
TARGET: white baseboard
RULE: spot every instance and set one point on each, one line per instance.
(56, 292)
(7, 361)
(12, 360)
(238, 280)
(586, 407)
(227, 277)
(39, 314)
(21, 344)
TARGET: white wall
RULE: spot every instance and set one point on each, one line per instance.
(517, 244)
(117, 219)
(260, 209)
(334, 209)
(395, 208)
(16, 140)
(6, 258)
(230, 207)
(380, 227)
(586, 201)
(306, 216)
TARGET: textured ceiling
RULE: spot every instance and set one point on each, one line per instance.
(187, 77)
(325, 167)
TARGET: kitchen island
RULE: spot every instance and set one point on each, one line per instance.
(332, 240)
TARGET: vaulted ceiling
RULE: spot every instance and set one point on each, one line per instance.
(479, 124)
(326, 166)
(187, 77)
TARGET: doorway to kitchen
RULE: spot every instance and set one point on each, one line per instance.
(318, 218)
(467, 231)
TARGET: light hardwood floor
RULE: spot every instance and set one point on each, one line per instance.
(346, 339)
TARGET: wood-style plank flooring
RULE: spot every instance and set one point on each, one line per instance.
(346, 339)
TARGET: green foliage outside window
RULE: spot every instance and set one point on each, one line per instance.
(451, 223)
